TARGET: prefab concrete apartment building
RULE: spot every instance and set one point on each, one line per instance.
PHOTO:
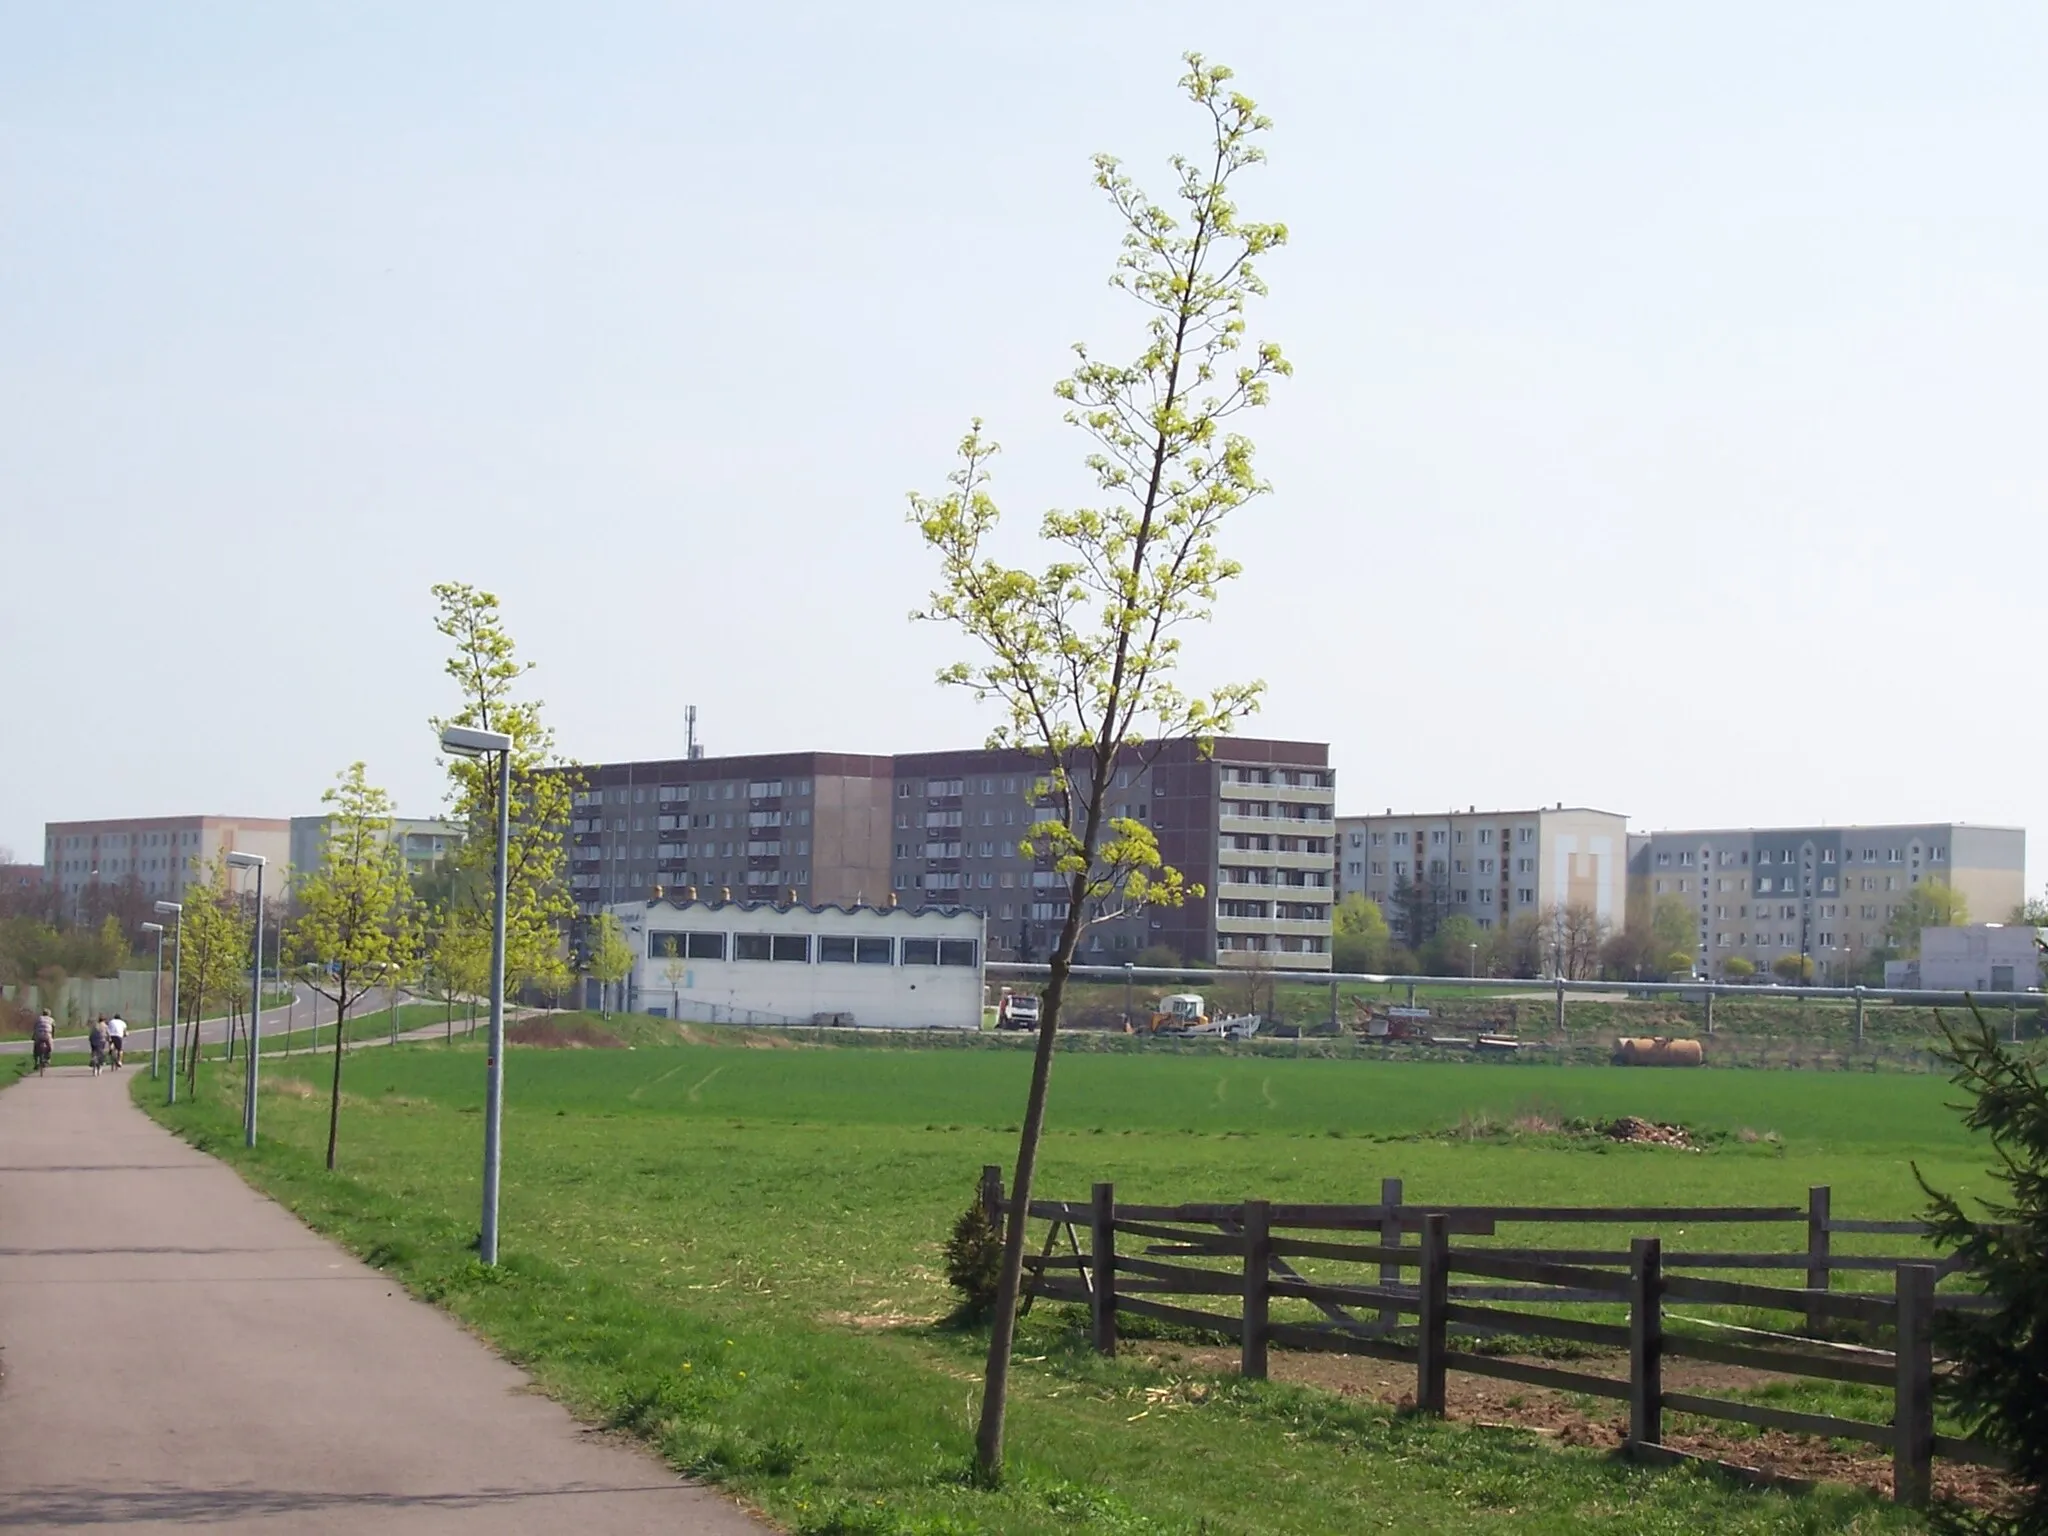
(1252, 823)
(1490, 866)
(162, 854)
(1823, 892)
(422, 843)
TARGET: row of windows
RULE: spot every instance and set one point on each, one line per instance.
(1437, 836)
(640, 794)
(1764, 883)
(796, 948)
(1296, 778)
(1729, 857)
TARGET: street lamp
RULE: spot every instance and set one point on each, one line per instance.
(1472, 969)
(156, 992)
(465, 741)
(256, 862)
(170, 909)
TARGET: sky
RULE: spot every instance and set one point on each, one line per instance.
(1665, 431)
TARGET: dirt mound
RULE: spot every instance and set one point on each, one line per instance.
(573, 1035)
(1649, 1132)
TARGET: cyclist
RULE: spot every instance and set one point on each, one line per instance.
(45, 1038)
(97, 1040)
(117, 1038)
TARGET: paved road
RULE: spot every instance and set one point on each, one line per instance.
(277, 1022)
(177, 1351)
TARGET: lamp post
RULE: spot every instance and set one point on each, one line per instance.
(464, 741)
(156, 991)
(256, 862)
(1472, 966)
(174, 909)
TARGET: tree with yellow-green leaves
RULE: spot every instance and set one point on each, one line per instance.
(611, 958)
(484, 665)
(216, 934)
(355, 928)
(1080, 654)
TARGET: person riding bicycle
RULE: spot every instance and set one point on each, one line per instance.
(96, 1040)
(45, 1035)
(117, 1037)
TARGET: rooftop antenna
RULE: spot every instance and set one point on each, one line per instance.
(694, 749)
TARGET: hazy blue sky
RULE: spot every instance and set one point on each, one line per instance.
(1665, 435)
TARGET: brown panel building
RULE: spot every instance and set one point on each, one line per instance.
(1252, 824)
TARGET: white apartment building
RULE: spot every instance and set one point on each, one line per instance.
(1490, 866)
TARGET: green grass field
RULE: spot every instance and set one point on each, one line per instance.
(734, 1249)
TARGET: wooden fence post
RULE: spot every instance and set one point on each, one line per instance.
(1710, 1013)
(1258, 1262)
(1913, 1413)
(1433, 1333)
(1645, 1343)
(1390, 1237)
(1818, 1275)
(1859, 1015)
(1102, 1263)
(992, 1194)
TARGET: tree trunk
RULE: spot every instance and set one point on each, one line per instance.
(995, 1391)
(334, 1091)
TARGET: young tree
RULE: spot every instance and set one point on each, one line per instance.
(1458, 948)
(1736, 968)
(1080, 654)
(353, 925)
(458, 957)
(1359, 934)
(1930, 904)
(1999, 1386)
(486, 670)
(1574, 935)
(611, 959)
(217, 934)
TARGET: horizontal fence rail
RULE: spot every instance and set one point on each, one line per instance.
(1227, 1265)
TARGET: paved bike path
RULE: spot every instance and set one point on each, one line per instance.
(177, 1351)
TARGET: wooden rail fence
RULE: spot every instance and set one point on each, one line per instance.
(1126, 1260)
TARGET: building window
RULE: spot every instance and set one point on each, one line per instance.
(844, 949)
(686, 946)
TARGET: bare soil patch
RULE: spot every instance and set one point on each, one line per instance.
(1573, 1420)
(579, 1034)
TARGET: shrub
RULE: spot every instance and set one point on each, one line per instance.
(1999, 1387)
(974, 1259)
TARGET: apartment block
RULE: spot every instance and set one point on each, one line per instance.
(1252, 823)
(160, 854)
(1823, 892)
(1490, 866)
(423, 842)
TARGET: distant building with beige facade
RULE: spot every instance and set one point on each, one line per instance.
(160, 853)
(1824, 892)
(1490, 866)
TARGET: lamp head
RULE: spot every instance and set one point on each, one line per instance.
(170, 908)
(242, 860)
(467, 741)
(152, 927)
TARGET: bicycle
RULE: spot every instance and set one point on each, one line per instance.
(42, 1057)
(99, 1060)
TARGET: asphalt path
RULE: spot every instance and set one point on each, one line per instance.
(296, 1016)
(177, 1351)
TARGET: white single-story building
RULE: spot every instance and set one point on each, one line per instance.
(1976, 957)
(749, 962)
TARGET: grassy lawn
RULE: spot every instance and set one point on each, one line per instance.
(733, 1250)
